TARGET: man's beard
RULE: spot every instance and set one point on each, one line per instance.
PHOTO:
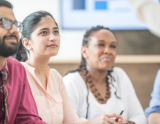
(7, 51)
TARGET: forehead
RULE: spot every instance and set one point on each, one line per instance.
(46, 22)
(6, 12)
(103, 34)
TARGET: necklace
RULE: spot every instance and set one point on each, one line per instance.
(94, 90)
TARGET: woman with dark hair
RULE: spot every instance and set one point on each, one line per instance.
(21, 54)
(96, 87)
(41, 39)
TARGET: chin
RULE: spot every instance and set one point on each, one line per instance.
(53, 54)
(105, 68)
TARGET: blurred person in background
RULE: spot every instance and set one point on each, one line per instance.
(17, 104)
(41, 39)
(96, 87)
(153, 111)
(149, 12)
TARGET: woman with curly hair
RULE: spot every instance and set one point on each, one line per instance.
(96, 87)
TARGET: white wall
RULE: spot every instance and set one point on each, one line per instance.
(71, 40)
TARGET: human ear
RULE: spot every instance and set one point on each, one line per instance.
(26, 43)
(84, 52)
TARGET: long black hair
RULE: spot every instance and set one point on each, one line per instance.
(83, 61)
(29, 25)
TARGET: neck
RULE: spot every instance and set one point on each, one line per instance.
(2, 61)
(38, 62)
(98, 76)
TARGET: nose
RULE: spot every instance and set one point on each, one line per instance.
(51, 37)
(107, 50)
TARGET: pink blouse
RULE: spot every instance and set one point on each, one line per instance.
(54, 106)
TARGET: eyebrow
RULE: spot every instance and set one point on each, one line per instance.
(8, 18)
(104, 41)
(47, 28)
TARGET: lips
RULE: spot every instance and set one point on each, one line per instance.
(106, 59)
(52, 46)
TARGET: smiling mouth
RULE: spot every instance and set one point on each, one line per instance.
(106, 59)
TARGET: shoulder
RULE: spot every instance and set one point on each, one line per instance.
(74, 80)
(26, 66)
(55, 75)
(17, 70)
(75, 84)
(158, 73)
(120, 76)
(71, 77)
(15, 64)
(157, 81)
(117, 71)
(55, 72)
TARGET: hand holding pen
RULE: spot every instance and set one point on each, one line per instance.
(125, 121)
(119, 121)
(120, 114)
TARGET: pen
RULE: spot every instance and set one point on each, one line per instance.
(120, 114)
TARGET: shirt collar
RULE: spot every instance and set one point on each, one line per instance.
(32, 69)
(47, 73)
(5, 66)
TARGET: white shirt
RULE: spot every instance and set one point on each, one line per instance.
(149, 12)
(77, 91)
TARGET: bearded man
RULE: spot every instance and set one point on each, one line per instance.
(17, 104)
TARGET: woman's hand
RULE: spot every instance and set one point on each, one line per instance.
(107, 119)
(121, 121)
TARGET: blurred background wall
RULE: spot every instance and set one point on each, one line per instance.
(138, 50)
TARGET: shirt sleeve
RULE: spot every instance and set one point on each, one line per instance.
(27, 112)
(148, 11)
(135, 111)
(69, 114)
(154, 105)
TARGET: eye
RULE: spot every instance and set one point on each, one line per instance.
(43, 32)
(113, 46)
(5, 24)
(56, 32)
(100, 44)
